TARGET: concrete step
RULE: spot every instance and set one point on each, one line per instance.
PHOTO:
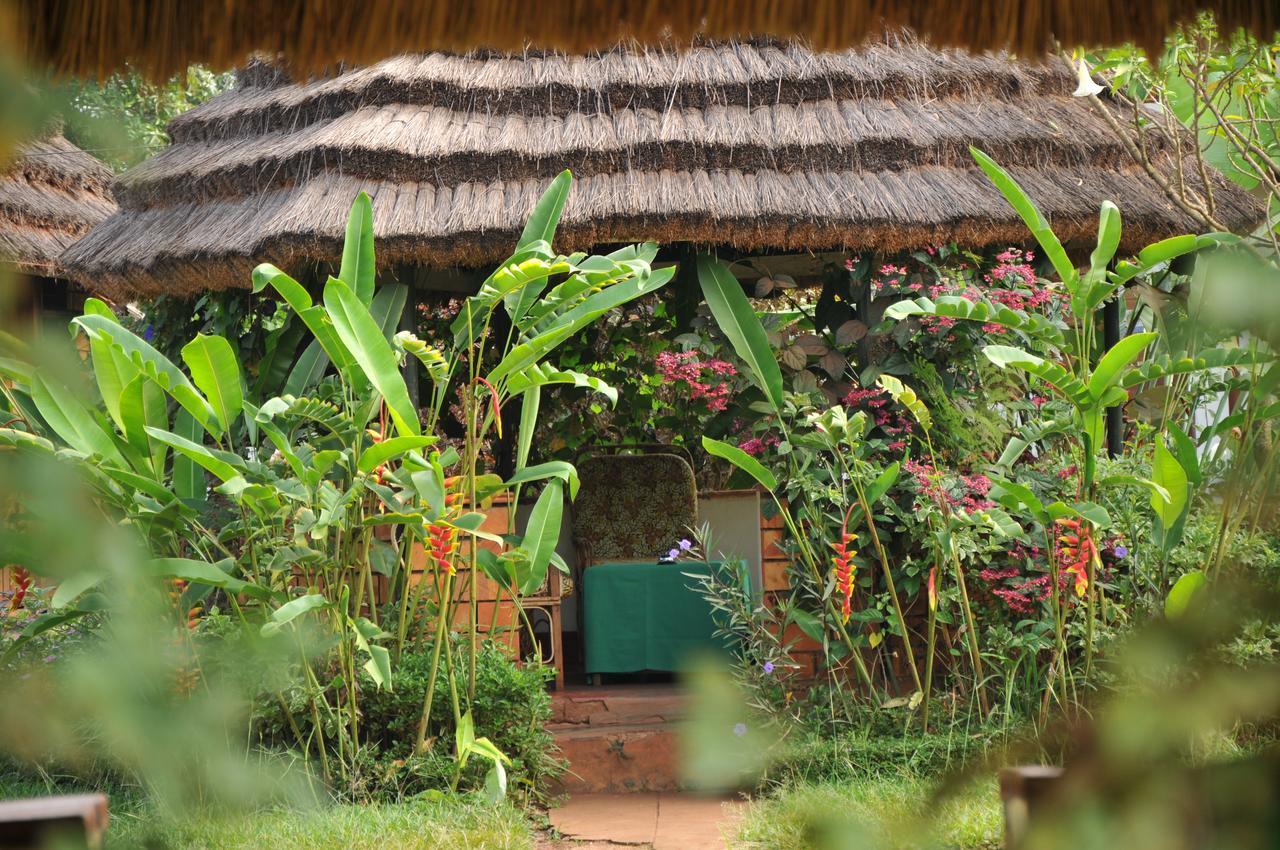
(626, 757)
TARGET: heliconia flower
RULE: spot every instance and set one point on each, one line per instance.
(933, 589)
(23, 580)
(442, 542)
(1076, 550)
(842, 565)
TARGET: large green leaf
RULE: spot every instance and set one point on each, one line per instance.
(541, 374)
(541, 534)
(357, 269)
(361, 336)
(224, 465)
(142, 404)
(379, 664)
(312, 315)
(188, 480)
(907, 397)
(955, 307)
(509, 279)
(111, 369)
(202, 572)
(742, 460)
(1217, 358)
(154, 365)
(387, 307)
(1051, 373)
(1183, 593)
(216, 373)
(1095, 286)
(737, 319)
(1116, 360)
(1030, 214)
(379, 453)
(71, 420)
(292, 610)
(540, 227)
(546, 213)
(1169, 475)
(1157, 253)
(608, 290)
(560, 469)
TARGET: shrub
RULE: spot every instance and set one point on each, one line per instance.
(511, 708)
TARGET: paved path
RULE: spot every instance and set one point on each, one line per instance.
(658, 820)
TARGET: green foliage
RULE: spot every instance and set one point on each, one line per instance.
(122, 118)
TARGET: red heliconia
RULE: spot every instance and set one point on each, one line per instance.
(1076, 551)
(843, 566)
(22, 579)
(933, 589)
(442, 542)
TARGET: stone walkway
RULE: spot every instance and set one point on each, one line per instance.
(657, 820)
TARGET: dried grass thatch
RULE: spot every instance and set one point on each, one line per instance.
(164, 37)
(50, 195)
(758, 145)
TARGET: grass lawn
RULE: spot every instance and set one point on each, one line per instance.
(871, 814)
(446, 824)
(442, 825)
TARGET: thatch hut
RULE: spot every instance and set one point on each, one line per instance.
(50, 195)
(759, 146)
(104, 36)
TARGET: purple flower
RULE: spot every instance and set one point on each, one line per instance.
(1120, 552)
(149, 333)
(768, 667)
(49, 659)
(685, 545)
(739, 729)
(673, 554)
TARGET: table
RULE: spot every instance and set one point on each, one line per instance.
(646, 616)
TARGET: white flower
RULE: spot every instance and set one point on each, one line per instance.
(1085, 87)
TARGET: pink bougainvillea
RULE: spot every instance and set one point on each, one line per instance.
(703, 380)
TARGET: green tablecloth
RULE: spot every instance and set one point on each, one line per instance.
(645, 616)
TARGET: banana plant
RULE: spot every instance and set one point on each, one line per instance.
(1067, 357)
(332, 472)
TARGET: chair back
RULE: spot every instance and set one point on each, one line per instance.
(633, 507)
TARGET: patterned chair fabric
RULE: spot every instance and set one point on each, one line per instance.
(633, 507)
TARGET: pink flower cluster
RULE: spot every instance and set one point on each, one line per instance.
(756, 446)
(705, 380)
(969, 494)
(1019, 592)
(875, 401)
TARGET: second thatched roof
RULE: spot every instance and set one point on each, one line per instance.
(51, 193)
(758, 145)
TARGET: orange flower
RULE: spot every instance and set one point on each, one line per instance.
(933, 589)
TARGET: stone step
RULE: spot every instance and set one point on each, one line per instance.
(615, 707)
(635, 757)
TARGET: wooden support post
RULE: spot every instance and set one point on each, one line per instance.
(1111, 336)
(1022, 790)
(72, 821)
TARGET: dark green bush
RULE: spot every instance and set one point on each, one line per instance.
(511, 708)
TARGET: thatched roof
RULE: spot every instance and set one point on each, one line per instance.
(50, 195)
(758, 145)
(164, 37)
